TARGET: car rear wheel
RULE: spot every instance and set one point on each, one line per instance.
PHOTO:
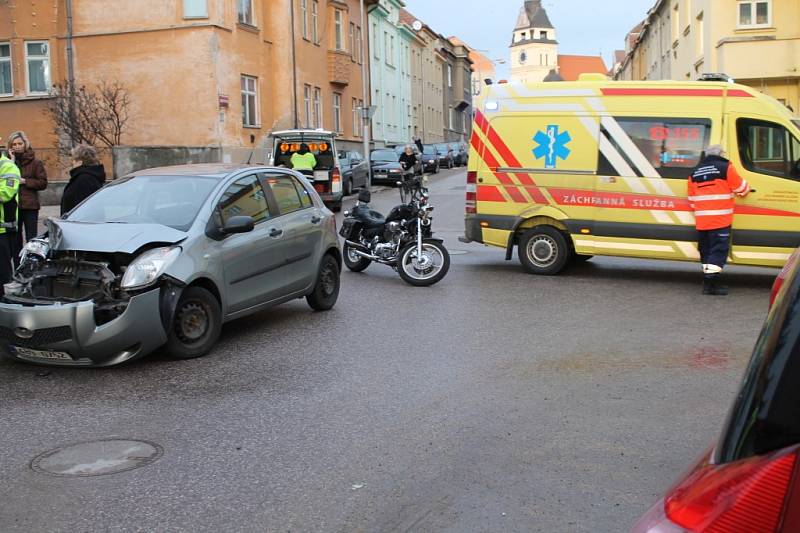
(326, 291)
(196, 325)
(544, 250)
(348, 187)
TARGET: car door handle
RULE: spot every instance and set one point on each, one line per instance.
(275, 232)
(316, 219)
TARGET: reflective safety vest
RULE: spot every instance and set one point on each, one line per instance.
(305, 161)
(712, 188)
(9, 194)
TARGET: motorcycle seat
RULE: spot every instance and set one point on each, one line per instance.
(370, 219)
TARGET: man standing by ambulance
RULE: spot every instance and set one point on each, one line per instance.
(9, 191)
(713, 187)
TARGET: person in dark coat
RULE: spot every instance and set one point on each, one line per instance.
(408, 160)
(33, 178)
(85, 179)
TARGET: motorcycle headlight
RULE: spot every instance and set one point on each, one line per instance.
(149, 266)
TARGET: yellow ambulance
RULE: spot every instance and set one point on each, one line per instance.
(566, 171)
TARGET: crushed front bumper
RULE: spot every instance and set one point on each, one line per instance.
(71, 329)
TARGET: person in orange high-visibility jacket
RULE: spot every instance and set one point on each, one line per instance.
(713, 187)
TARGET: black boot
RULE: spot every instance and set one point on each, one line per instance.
(712, 286)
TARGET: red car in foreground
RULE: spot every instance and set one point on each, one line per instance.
(749, 481)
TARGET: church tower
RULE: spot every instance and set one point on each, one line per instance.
(534, 49)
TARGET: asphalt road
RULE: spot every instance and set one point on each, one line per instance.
(493, 401)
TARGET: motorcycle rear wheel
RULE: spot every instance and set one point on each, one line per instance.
(432, 269)
(352, 260)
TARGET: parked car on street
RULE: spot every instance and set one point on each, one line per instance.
(430, 159)
(326, 177)
(355, 171)
(459, 151)
(749, 480)
(386, 168)
(445, 155)
(162, 258)
(402, 148)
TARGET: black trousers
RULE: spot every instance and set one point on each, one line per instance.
(6, 243)
(714, 246)
(29, 224)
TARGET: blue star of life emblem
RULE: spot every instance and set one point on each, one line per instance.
(552, 145)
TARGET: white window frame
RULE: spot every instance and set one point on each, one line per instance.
(359, 45)
(250, 117)
(753, 14)
(337, 113)
(317, 107)
(449, 75)
(307, 102)
(338, 30)
(189, 5)
(304, 16)
(353, 40)
(239, 14)
(315, 21)
(7, 60)
(46, 59)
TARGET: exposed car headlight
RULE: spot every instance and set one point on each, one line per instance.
(149, 266)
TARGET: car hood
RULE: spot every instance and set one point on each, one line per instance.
(386, 166)
(108, 238)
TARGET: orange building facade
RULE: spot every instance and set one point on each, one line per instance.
(208, 80)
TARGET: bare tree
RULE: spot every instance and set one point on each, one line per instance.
(95, 115)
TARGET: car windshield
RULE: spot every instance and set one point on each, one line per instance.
(172, 201)
(385, 156)
(429, 149)
(441, 148)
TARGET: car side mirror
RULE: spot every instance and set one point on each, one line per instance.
(238, 224)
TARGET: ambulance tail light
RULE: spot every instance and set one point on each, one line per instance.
(472, 193)
(745, 495)
(336, 181)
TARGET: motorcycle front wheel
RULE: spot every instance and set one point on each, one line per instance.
(352, 260)
(426, 270)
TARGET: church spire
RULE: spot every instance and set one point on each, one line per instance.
(533, 15)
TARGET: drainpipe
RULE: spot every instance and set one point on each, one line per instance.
(70, 57)
(365, 90)
(294, 67)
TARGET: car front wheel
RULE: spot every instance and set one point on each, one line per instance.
(196, 325)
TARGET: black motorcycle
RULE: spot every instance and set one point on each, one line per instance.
(403, 240)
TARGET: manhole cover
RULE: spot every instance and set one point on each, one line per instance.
(97, 458)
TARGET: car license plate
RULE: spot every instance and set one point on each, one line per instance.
(321, 175)
(40, 354)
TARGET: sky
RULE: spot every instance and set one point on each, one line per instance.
(586, 27)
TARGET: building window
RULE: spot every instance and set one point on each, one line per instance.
(195, 9)
(6, 81)
(375, 44)
(245, 8)
(755, 13)
(543, 35)
(337, 112)
(450, 124)
(304, 17)
(353, 40)
(338, 29)
(676, 22)
(359, 46)
(249, 101)
(37, 58)
(449, 75)
(317, 107)
(315, 21)
(307, 102)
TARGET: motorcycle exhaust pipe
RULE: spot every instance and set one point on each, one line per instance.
(359, 250)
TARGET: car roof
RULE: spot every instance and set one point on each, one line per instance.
(210, 170)
(287, 133)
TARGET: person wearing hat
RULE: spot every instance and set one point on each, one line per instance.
(33, 178)
(9, 198)
(712, 189)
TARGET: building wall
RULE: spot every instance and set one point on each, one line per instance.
(426, 84)
(457, 91)
(706, 36)
(389, 74)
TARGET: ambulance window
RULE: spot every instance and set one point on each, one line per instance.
(673, 147)
(768, 148)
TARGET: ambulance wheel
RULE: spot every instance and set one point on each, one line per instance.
(544, 250)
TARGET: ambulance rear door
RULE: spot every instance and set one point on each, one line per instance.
(766, 223)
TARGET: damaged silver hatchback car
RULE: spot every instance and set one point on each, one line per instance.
(164, 257)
